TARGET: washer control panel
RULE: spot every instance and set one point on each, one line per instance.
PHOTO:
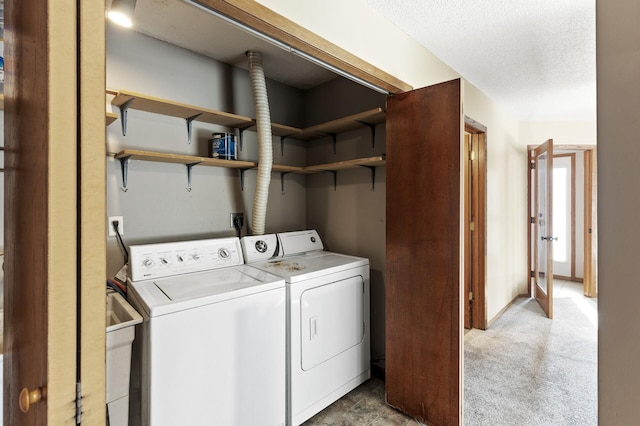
(166, 259)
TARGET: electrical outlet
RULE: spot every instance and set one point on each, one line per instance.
(111, 231)
(234, 215)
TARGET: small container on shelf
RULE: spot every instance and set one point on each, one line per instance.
(222, 146)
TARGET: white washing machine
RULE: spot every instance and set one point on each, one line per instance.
(328, 344)
(211, 347)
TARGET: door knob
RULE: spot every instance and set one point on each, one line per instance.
(27, 398)
(549, 238)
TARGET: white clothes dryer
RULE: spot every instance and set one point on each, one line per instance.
(328, 343)
(211, 347)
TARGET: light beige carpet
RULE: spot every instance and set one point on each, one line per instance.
(529, 370)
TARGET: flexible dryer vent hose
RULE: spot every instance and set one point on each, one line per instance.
(265, 152)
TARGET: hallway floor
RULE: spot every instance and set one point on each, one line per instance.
(366, 405)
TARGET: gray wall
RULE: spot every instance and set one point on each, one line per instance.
(618, 74)
(157, 207)
(351, 218)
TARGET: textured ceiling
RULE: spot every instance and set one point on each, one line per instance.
(536, 58)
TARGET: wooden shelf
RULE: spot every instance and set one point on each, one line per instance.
(130, 100)
(349, 164)
(191, 160)
(111, 117)
(352, 122)
(162, 157)
(287, 169)
(165, 157)
(176, 109)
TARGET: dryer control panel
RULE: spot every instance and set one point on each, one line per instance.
(183, 257)
(260, 247)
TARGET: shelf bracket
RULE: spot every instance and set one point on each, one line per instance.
(282, 139)
(373, 176)
(241, 135)
(189, 121)
(335, 179)
(124, 168)
(372, 127)
(282, 174)
(242, 178)
(189, 174)
(124, 108)
(334, 136)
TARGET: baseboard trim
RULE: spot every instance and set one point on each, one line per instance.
(562, 277)
(503, 310)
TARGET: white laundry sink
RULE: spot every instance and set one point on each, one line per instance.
(121, 319)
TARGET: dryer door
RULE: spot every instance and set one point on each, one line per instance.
(332, 320)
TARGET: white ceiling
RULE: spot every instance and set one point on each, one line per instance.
(536, 58)
(192, 27)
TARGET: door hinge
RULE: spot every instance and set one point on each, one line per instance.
(472, 155)
(533, 219)
(472, 226)
(533, 165)
(470, 296)
(533, 274)
(78, 403)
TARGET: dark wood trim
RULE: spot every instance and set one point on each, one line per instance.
(266, 21)
(40, 209)
(424, 346)
(468, 217)
(478, 216)
(473, 126)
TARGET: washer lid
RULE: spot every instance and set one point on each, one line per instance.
(310, 265)
(165, 295)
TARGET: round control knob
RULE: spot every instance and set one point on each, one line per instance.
(224, 253)
(164, 260)
(147, 263)
(180, 258)
(313, 239)
(195, 256)
(261, 246)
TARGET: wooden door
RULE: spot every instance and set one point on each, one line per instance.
(424, 272)
(48, 213)
(543, 226)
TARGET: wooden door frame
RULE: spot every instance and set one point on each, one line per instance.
(572, 276)
(590, 221)
(477, 263)
(590, 270)
(54, 329)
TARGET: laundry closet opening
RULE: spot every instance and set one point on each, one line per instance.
(185, 72)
